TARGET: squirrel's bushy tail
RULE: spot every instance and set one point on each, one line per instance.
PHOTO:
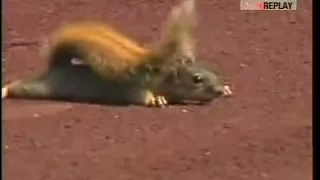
(100, 46)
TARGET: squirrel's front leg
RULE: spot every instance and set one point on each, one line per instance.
(153, 100)
(147, 98)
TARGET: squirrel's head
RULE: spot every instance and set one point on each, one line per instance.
(185, 79)
(191, 83)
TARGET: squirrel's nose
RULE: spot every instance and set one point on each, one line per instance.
(219, 90)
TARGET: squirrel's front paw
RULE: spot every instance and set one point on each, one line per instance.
(155, 101)
(159, 101)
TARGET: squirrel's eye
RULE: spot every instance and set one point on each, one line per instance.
(156, 70)
(197, 78)
(185, 60)
(188, 61)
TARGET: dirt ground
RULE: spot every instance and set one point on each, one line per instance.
(262, 133)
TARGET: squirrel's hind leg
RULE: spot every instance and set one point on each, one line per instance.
(52, 85)
(62, 83)
(35, 88)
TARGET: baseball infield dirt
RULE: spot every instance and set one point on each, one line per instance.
(262, 133)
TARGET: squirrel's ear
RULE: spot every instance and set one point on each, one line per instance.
(177, 40)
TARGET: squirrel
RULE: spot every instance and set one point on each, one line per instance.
(118, 69)
(189, 84)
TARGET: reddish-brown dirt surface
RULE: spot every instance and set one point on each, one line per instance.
(262, 133)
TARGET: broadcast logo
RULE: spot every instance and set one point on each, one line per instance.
(278, 5)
